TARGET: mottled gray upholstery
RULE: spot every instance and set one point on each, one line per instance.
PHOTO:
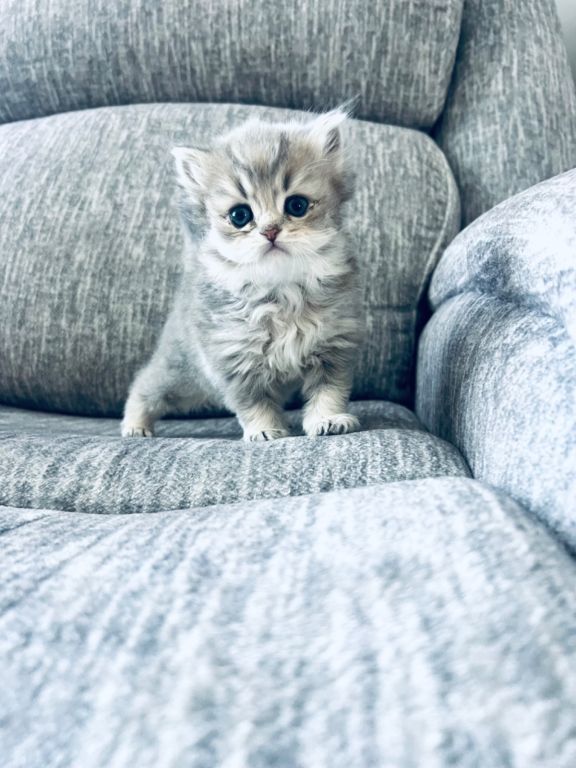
(510, 117)
(81, 464)
(354, 601)
(523, 251)
(302, 54)
(497, 364)
(429, 623)
(109, 176)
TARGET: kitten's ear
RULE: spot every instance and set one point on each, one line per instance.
(325, 129)
(191, 168)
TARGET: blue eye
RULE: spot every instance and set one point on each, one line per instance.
(296, 205)
(240, 215)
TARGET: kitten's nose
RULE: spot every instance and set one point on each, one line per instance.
(271, 233)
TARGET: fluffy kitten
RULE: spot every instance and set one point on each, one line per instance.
(268, 303)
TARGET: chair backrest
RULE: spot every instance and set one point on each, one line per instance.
(395, 57)
(510, 117)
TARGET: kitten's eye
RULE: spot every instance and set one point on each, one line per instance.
(296, 205)
(240, 215)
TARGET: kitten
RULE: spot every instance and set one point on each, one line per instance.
(268, 303)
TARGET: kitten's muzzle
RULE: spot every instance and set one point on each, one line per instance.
(270, 233)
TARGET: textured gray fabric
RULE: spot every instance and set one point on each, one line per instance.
(418, 624)
(497, 367)
(498, 381)
(523, 250)
(82, 464)
(91, 247)
(567, 14)
(61, 55)
(510, 117)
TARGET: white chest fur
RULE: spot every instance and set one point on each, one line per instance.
(289, 329)
(282, 316)
(275, 334)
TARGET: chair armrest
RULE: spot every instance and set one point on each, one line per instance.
(497, 361)
(510, 116)
(523, 251)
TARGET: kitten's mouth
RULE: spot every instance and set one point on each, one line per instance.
(275, 247)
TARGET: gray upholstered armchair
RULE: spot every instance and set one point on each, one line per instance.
(401, 596)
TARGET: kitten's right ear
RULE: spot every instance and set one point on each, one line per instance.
(191, 168)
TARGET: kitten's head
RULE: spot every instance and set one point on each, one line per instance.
(271, 192)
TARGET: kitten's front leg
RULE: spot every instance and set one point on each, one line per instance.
(147, 399)
(262, 420)
(327, 390)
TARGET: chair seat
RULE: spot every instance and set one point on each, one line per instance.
(75, 463)
(428, 623)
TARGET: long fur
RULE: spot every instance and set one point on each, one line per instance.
(253, 323)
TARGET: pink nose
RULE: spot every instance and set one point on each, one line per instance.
(271, 233)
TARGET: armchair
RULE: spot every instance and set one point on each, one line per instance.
(403, 596)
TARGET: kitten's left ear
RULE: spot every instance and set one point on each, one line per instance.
(191, 165)
(326, 131)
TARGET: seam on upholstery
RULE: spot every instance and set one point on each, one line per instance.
(205, 508)
(448, 59)
(508, 301)
(452, 195)
(5, 531)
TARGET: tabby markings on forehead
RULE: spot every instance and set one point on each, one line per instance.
(240, 187)
(265, 170)
(281, 155)
(241, 167)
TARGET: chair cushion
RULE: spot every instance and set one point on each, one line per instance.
(396, 58)
(77, 463)
(91, 247)
(429, 623)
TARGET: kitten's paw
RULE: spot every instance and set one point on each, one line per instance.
(136, 430)
(266, 434)
(337, 424)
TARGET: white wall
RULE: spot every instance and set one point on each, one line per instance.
(567, 11)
